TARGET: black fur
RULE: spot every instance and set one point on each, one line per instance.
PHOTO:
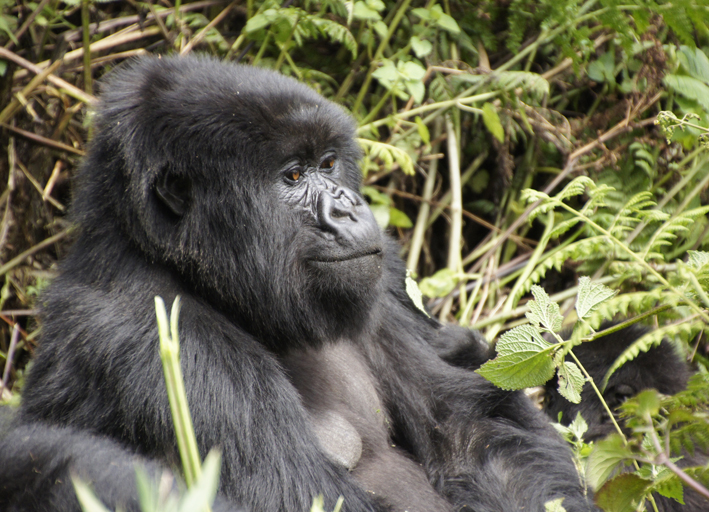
(661, 368)
(304, 359)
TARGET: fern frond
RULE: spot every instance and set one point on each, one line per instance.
(684, 330)
(388, 154)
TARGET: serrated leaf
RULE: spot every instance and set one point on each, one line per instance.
(624, 493)
(543, 312)
(590, 295)
(697, 259)
(492, 122)
(670, 487)
(439, 284)
(578, 426)
(606, 456)
(571, 382)
(524, 360)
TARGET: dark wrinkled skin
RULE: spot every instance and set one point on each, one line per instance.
(304, 359)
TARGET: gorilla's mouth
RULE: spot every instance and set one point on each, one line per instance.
(339, 258)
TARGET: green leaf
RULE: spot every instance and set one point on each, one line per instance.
(695, 62)
(689, 87)
(605, 458)
(590, 295)
(414, 293)
(648, 403)
(201, 495)
(256, 23)
(387, 71)
(448, 24)
(571, 382)
(412, 71)
(670, 486)
(543, 312)
(421, 47)
(602, 69)
(423, 130)
(417, 90)
(554, 505)
(399, 219)
(363, 12)
(439, 284)
(422, 13)
(381, 214)
(624, 493)
(697, 259)
(524, 360)
(380, 28)
(88, 500)
(492, 122)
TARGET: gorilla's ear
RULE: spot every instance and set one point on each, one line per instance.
(174, 192)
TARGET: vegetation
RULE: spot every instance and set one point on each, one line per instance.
(546, 150)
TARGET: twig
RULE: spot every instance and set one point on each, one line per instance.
(29, 252)
(43, 140)
(71, 90)
(10, 354)
(200, 35)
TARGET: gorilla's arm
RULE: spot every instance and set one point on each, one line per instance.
(484, 447)
(38, 461)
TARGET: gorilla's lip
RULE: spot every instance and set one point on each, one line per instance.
(347, 257)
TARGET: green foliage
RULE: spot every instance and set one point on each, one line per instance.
(627, 204)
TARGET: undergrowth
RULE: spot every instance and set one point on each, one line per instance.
(513, 148)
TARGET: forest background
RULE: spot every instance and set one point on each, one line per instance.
(507, 144)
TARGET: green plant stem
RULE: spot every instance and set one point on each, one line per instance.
(521, 310)
(420, 227)
(665, 460)
(589, 379)
(635, 257)
(86, 37)
(170, 355)
(378, 54)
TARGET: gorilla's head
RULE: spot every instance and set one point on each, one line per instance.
(243, 182)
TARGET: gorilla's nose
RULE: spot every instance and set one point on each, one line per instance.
(342, 213)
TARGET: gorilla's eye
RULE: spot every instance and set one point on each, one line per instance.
(328, 163)
(294, 174)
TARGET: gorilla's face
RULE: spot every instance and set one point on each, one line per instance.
(247, 184)
(339, 242)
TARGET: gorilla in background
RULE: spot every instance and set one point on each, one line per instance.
(661, 368)
(304, 359)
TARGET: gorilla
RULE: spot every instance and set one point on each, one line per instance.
(661, 368)
(304, 359)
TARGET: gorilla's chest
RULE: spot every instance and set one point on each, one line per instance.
(341, 397)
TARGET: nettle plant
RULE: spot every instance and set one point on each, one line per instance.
(657, 427)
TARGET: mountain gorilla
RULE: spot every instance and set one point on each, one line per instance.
(661, 368)
(304, 359)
